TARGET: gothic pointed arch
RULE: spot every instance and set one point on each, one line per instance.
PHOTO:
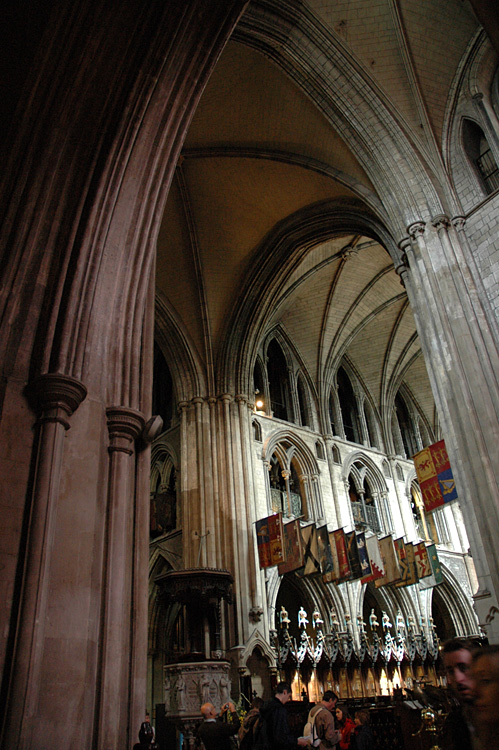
(279, 252)
(180, 352)
(256, 30)
(291, 458)
(368, 492)
(449, 599)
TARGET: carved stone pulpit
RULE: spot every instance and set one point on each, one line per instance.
(199, 673)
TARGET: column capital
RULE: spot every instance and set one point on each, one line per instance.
(416, 230)
(226, 398)
(124, 426)
(459, 222)
(441, 221)
(56, 397)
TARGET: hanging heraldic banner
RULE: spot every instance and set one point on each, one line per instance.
(353, 555)
(365, 564)
(344, 572)
(333, 575)
(423, 564)
(390, 562)
(310, 550)
(436, 575)
(375, 561)
(326, 559)
(293, 550)
(269, 536)
(435, 477)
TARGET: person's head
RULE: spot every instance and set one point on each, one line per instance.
(456, 657)
(283, 692)
(208, 711)
(362, 717)
(329, 699)
(485, 677)
(341, 713)
(257, 703)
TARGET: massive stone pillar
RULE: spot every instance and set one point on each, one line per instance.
(94, 145)
(217, 497)
(462, 360)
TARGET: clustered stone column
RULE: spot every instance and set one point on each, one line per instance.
(55, 398)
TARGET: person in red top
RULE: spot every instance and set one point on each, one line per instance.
(346, 725)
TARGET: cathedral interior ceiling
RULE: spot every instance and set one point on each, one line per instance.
(259, 150)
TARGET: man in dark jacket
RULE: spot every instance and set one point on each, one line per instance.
(273, 730)
(457, 659)
(214, 733)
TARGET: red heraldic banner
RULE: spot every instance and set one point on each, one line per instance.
(423, 564)
(435, 476)
(344, 572)
(269, 535)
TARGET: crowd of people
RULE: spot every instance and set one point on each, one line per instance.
(473, 724)
(266, 726)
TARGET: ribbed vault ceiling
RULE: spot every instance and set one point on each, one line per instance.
(259, 150)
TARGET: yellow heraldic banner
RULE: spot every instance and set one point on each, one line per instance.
(435, 477)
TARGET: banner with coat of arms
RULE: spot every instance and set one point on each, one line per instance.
(435, 476)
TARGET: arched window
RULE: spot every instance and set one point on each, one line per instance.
(278, 499)
(297, 505)
(277, 369)
(405, 426)
(364, 511)
(348, 406)
(257, 431)
(162, 391)
(303, 403)
(336, 454)
(480, 155)
(163, 515)
(259, 385)
(371, 425)
(334, 427)
(319, 450)
(285, 497)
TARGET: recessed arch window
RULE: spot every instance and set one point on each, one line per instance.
(480, 155)
(162, 392)
(364, 510)
(257, 431)
(278, 376)
(348, 406)
(406, 426)
(303, 403)
(371, 425)
(163, 513)
(285, 489)
(259, 386)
